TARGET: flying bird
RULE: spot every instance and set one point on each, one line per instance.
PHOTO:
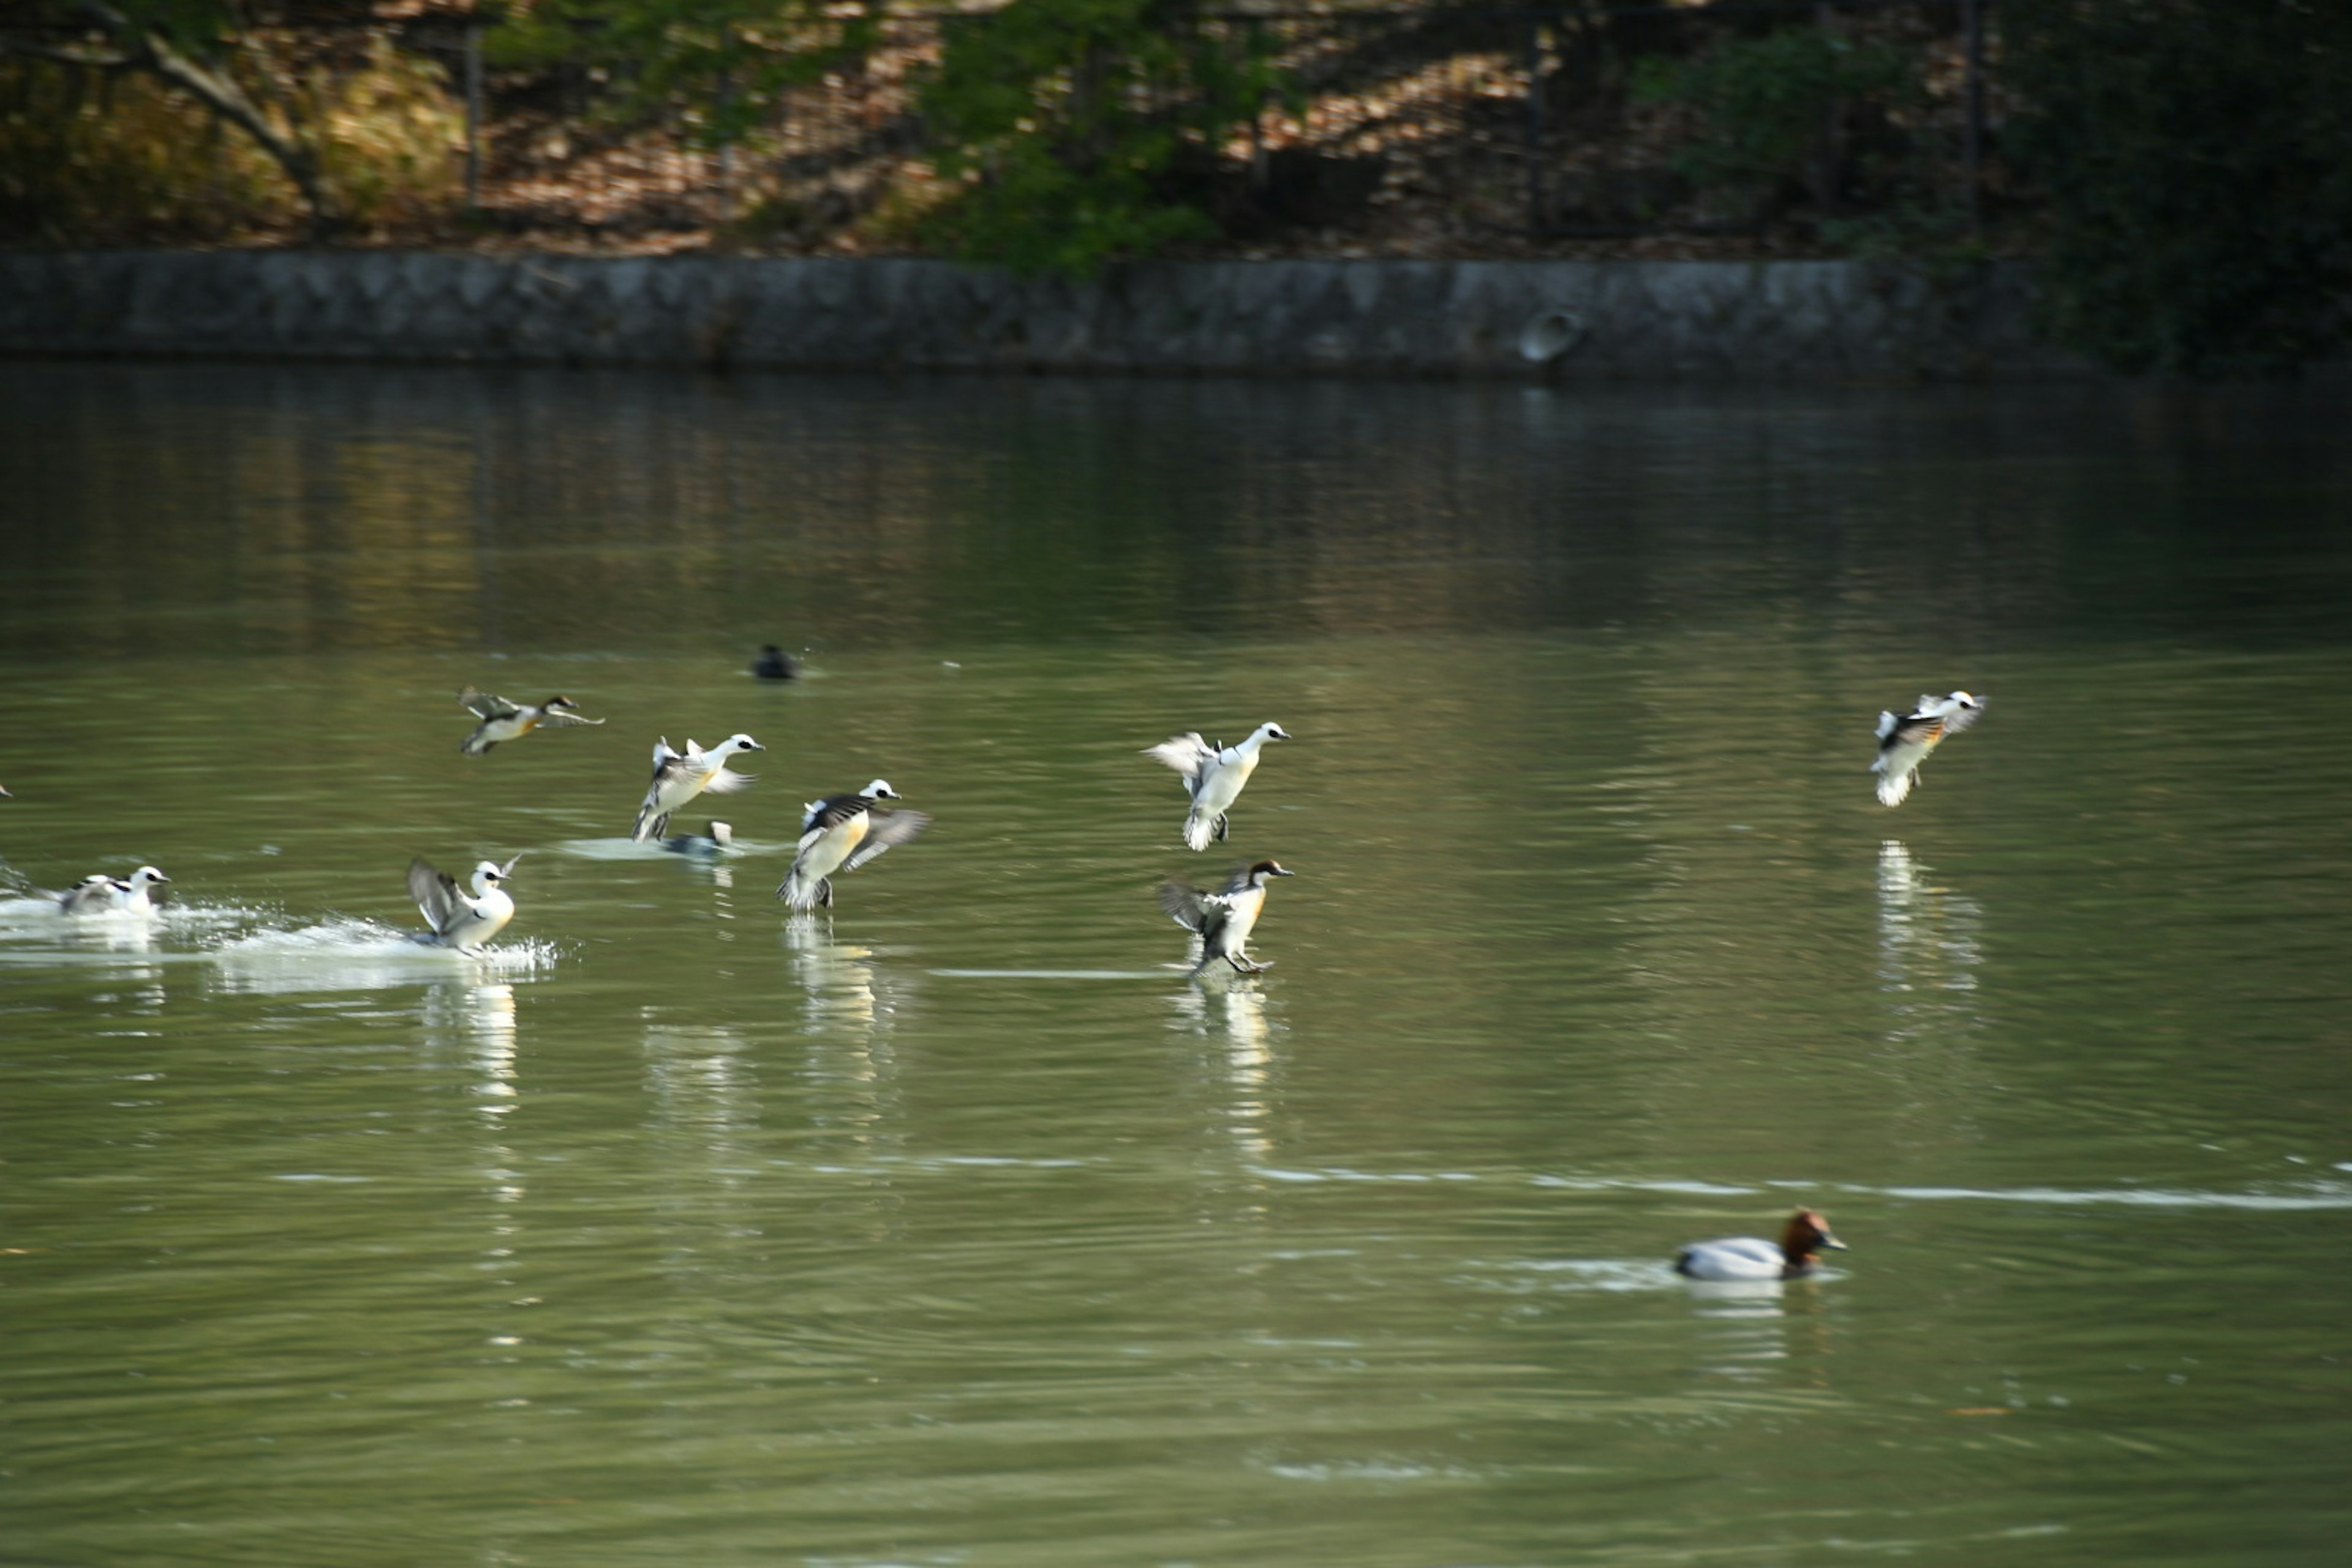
(1213, 777)
(1753, 1258)
(1903, 743)
(100, 894)
(841, 832)
(457, 920)
(1222, 920)
(505, 720)
(679, 777)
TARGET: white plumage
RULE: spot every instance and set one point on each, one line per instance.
(457, 920)
(841, 832)
(1904, 741)
(1213, 777)
(679, 776)
(99, 894)
(1224, 920)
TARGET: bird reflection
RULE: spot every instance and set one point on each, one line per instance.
(851, 1004)
(1931, 944)
(482, 1018)
(838, 977)
(1236, 1014)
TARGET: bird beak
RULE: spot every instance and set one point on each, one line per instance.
(1833, 1243)
(1282, 873)
(161, 877)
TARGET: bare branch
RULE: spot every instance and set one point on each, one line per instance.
(86, 58)
(145, 50)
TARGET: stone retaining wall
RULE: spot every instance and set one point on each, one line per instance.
(1616, 319)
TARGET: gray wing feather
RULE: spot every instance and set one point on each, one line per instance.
(484, 705)
(884, 831)
(561, 720)
(1185, 904)
(435, 894)
(723, 782)
(1187, 754)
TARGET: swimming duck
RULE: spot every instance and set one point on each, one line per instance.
(1223, 920)
(720, 836)
(1753, 1258)
(458, 922)
(1213, 777)
(505, 720)
(775, 664)
(678, 777)
(841, 832)
(99, 894)
(1903, 743)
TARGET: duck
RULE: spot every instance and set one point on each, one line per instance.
(457, 920)
(841, 832)
(718, 838)
(1795, 1254)
(775, 664)
(1224, 920)
(678, 777)
(99, 894)
(505, 720)
(1903, 743)
(1213, 777)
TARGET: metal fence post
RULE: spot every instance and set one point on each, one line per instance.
(1972, 145)
(1536, 223)
(473, 115)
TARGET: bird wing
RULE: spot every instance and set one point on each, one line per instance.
(1911, 729)
(556, 718)
(485, 705)
(831, 812)
(722, 782)
(1187, 905)
(507, 869)
(664, 759)
(884, 829)
(1187, 754)
(435, 893)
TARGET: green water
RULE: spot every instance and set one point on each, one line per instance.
(959, 1230)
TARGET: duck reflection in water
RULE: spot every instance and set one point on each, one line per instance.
(1929, 937)
(480, 1019)
(1236, 1013)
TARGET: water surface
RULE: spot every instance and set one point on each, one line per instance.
(959, 1228)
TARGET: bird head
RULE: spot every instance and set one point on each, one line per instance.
(880, 790)
(739, 742)
(1806, 1234)
(1273, 732)
(1265, 869)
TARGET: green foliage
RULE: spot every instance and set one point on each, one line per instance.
(1765, 103)
(725, 60)
(1060, 123)
(2198, 158)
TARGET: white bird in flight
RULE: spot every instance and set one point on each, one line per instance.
(1223, 920)
(678, 777)
(1213, 777)
(457, 920)
(1903, 743)
(841, 832)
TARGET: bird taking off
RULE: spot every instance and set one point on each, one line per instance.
(841, 832)
(1224, 920)
(457, 920)
(1903, 743)
(679, 776)
(1213, 777)
(505, 720)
